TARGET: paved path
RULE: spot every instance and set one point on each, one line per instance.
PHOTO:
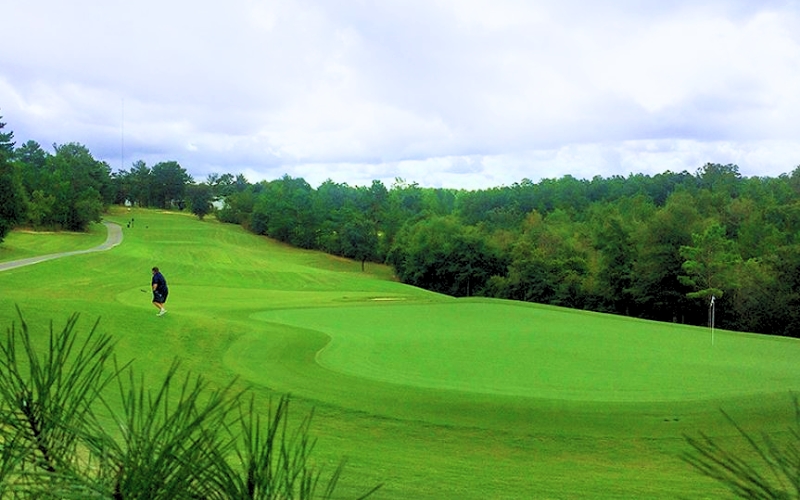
(114, 238)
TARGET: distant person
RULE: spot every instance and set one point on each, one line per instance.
(160, 291)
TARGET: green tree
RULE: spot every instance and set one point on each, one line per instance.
(745, 223)
(335, 204)
(722, 180)
(546, 263)
(40, 209)
(222, 185)
(6, 141)
(781, 303)
(472, 206)
(442, 255)
(140, 184)
(710, 263)
(530, 276)
(359, 238)
(168, 181)
(376, 202)
(661, 187)
(78, 185)
(285, 209)
(238, 208)
(403, 205)
(120, 182)
(240, 183)
(617, 255)
(32, 160)
(38, 182)
(793, 180)
(656, 288)
(758, 304)
(199, 197)
(12, 197)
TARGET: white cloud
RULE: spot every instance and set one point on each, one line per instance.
(455, 93)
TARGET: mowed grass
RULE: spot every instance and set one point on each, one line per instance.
(22, 244)
(435, 397)
(514, 349)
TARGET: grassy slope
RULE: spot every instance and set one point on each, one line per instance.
(245, 306)
(24, 244)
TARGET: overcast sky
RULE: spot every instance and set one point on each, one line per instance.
(451, 93)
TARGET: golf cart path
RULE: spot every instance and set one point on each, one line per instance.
(113, 239)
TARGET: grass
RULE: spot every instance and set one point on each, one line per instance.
(433, 396)
(22, 244)
(507, 348)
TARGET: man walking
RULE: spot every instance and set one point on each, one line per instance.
(160, 291)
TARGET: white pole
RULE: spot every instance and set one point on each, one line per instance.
(712, 319)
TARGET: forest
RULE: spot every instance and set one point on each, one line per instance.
(648, 246)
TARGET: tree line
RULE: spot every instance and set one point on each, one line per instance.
(656, 247)
(69, 189)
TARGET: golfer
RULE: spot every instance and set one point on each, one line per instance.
(160, 291)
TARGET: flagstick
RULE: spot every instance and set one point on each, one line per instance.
(712, 320)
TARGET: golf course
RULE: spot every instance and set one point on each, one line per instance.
(432, 396)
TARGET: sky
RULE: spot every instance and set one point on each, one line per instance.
(464, 94)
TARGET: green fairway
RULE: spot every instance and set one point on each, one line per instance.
(435, 397)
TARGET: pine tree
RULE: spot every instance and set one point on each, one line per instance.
(6, 141)
(12, 201)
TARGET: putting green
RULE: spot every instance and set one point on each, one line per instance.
(496, 347)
